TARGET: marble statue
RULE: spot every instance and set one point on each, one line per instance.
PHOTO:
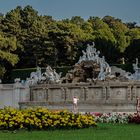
(91, 55)
(49, 76)
(136, 75)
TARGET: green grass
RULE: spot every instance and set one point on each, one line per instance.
(102, 132)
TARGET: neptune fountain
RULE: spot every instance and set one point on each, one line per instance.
(91, 67)
(92, 80)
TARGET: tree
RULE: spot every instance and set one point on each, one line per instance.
(133, 51)
(41, 40)
(67, 38)
(33, 37)
(11, 22)
(119, 30)
(7, 47)
(104, 39)
(134, 33)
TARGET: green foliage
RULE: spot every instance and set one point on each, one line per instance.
(134, 33)
(133, 51)
(41, 40)
(8, 45)
(2, 71)
(105, 39)
(7, 57)
(119, 30)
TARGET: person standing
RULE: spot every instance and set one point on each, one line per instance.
(75, 106)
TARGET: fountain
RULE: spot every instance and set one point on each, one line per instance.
(92, 80)
(90, 67)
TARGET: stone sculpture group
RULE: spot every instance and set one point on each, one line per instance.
(90, 67)
(49, 76)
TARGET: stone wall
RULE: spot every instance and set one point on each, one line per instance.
(12, 94)
(102, 96)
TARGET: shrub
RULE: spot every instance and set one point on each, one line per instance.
(11, 118)
(134, 119)
(111, 117)
(42, 118)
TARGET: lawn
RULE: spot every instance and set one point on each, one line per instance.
(102, 132)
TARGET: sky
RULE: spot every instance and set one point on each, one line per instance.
(126, 10)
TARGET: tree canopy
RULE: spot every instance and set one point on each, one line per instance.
(28, 39)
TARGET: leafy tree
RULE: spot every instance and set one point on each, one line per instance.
(133, 51)
(12, 22)
(104, 39)
(7, 47)
(33, 34)
(77, 20)
(134, 33)
(67, 38)
(41, 40)
(119, 30)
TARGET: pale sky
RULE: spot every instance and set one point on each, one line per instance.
(126, 10)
